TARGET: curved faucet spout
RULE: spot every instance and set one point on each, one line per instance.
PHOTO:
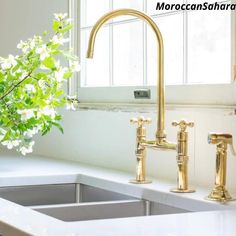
(160, 134)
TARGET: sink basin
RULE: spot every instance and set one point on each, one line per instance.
(105, 210)
(94, 211)
(58, 194)
(78, 202)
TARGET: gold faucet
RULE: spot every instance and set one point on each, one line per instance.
(160, 141)
(219, 192)
(160, 134)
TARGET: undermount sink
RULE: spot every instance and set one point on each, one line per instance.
(95, 210)
(58, 194)
(77, 202)
(106, 210)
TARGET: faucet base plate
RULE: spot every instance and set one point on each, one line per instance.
(178, 190)
(219, 194)
(134, 181)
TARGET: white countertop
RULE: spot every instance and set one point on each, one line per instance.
(19, 171)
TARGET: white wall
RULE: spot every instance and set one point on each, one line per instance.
(106, 138)
(21, 19)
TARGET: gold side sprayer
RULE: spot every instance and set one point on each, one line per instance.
(219, 192)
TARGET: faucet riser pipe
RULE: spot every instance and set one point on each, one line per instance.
(160, 134)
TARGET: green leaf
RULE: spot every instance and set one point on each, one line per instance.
(6, 136)
(58, 126)
(49, 62)
(45, 130)
(56, 26)
(69, 55)
(2, 87)
(65, 29)
(28, 101)
(45, 33)
(67, 75)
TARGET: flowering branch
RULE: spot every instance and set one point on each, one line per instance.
(31, 87)
(15, 86)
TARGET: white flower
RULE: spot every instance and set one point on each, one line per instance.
(23, 46)
(24, 74)
(43, 67)
(8, 62)
(30, 88)
(59, 40)
(57, 65)
(60, 74)
(70, 106)
(72, 103)
(60, 16)
(71, 97)
(11, 143)
(69, 20)
(37, 39)
(42, 84)
(49, 100)
(26, 114)
(32, 44)
(43, 52)
(75, 66)
(47, 111)
(27, 149)
(31, 132)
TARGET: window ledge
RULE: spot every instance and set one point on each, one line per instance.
(147, 108)
(219, 95)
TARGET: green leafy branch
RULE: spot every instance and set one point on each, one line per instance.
(31, 86)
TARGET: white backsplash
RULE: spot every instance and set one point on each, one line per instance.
(106, 138)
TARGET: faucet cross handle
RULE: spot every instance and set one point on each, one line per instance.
(183, 124)
(141, 121)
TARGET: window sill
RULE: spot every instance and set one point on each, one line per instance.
(147, 108)
(219, 95)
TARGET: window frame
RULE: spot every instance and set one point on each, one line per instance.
(221, 94)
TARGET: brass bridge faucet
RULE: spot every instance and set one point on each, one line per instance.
(160, 141)
(181, 148)
(219, 192)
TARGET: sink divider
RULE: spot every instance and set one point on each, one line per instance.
(94, 210)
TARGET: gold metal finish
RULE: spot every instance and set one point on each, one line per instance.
(219, 192)
(140, 151)
(182, 157)
(160, 134)
(160, 141)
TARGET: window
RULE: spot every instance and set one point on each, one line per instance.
(197, 47)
